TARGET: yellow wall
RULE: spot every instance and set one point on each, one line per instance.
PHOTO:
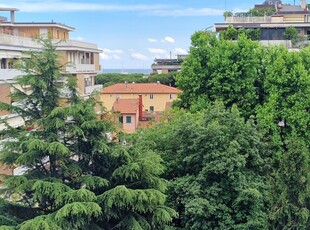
(63, 59)
(159, 100)
(96, 61)
(29, 32)
(5, 96)
(80, 83)
(294, 18)
(58, 33)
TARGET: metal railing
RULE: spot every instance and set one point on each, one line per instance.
(234, 19)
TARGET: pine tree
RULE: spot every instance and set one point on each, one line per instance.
(76, 177)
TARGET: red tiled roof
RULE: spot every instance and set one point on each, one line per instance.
(126, 106)
(140, 88)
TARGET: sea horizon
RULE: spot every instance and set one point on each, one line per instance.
(127, 71)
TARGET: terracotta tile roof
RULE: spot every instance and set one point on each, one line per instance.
(126, 106)
(143, 88)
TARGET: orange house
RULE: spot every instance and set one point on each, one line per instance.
(128, 110)
(138, 103)
(155, 96)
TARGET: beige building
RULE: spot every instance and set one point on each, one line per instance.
(15, 37)
(81, 59)
(272, 27)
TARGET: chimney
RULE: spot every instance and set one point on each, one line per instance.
(303, 4)
(140, 107)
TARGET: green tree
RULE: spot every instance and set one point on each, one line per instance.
(218, 69)
(262, 12)
(76, 177)
(291, 33)
(290, 185)
(286, 104)
(215, 161)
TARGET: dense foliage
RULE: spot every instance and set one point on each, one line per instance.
(107, 79)
(232, 34)
(234, 154)
(76, 173)
(216, 163)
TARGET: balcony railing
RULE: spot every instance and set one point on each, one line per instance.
(13, 120)
(92, 89)
(81, 68)
(266, 19)
(26, 42)
(286, 43)
(9, 74)
(11, 40)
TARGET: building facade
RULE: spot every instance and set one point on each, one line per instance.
(155, 96)
(164, 66)
(137, 104)
(272, 27)
(80, 59)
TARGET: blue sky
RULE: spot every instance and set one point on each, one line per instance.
(131, 33)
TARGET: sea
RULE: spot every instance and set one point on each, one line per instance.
(127, 71)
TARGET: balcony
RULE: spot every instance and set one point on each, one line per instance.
(266, 19)
(77, 45)
(13, 120)
(21, 42)
(24, 43)
(9, 74)
(81, 68)
(286, 43)
(91, 89)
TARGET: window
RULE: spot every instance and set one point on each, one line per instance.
(152, 108)
(120, 119)
(128, 119)
(88, 81)
(151, 96)
(171, 96)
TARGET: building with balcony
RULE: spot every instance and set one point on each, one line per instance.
(81, 59)
(272, 27)
(164, 66)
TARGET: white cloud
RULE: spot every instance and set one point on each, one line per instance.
(180, 51)
(108, 54)
(157, 51)
(116, 57)
(109, 51)
(188, 12)
(169, 39)
(104, 56)
(66, 6)
(139, 56)
(152, 40)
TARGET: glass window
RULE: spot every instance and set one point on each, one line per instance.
(121, 119)
(151, 96)
(128, 119)
(171, 96)
(151, 108)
